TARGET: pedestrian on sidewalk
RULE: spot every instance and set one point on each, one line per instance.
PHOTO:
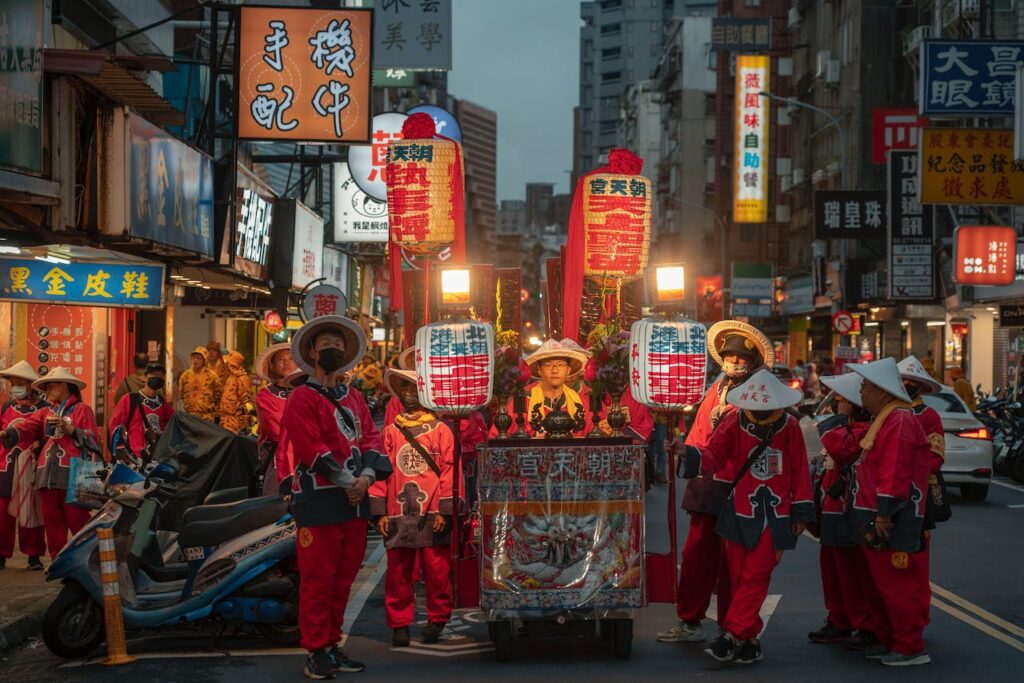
(235, 395)
(338, 452)
(274, 365)
(740, 350)
(199, 387)
(414, 509)
(20, 509)
(760, 449)
(845, 578)
(67, 428)
(135, 381)
(144, 414)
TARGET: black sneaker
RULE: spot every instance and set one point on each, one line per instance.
(862, 640)
(400, 637)
(829, 634)
(34, 563)
(724, 648)
(340, 662)
(3, 563)
(318, 665)
(432, 633)
(749, 652)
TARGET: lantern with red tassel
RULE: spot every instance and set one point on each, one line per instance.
(455, 366)
(667, 362)
(425, 188)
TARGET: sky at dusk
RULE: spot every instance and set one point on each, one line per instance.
(520, 58)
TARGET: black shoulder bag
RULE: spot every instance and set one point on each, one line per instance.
(418, 447)
(322, 390)
(754, 455)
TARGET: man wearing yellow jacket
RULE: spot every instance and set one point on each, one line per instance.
(199, 388)
(236, 394)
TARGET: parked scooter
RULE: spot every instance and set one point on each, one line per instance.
(239, 565)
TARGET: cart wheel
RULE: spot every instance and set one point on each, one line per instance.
(623, 636)
(502, 640)
(607, 629)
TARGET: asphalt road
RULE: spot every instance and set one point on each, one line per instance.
(977, 629)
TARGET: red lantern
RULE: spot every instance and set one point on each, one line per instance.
(617, 226)
(455, 366)
(667, 362)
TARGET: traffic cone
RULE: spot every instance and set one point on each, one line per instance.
(117, 649)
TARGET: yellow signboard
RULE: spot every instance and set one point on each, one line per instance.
(750, 162)
(970, 166)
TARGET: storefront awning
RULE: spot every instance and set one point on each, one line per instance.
(115, 77)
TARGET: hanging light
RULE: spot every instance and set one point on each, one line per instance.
(455, 288)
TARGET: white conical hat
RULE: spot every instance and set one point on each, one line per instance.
(911, 369)
(720, 332)
(20, 370)
(262, 364)
(393, 375)
(885, 375)
(58, 374)
(848, 386)
(763, 391)
(355, 341)
(558, 349)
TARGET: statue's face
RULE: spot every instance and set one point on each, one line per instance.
(554, 372)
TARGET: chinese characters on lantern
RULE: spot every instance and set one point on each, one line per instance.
(667, 363)
(424, 185)
(454, 366)
(304, 74)
(851, 214)
(971, 78)
(750, 163)
(617, 225)
(911, 231)
(985, 255)
(970, 166)
(103, 284)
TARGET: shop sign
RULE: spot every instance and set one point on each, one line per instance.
(368, 163)
(894, 129)
(272, 322)
(911, 231)
(799, 294)
(1011, 315)
(412, 34)
(969, 77)
(750, 163)
(710, 308)
(748, 310)
(358, 217)
(752, 281)
(324, 300)
(985, 255)
(299, 236)
(246, 242)
(393, 78)
(336, 268)
(171, 191)
(62, 336)
(102, 283)
(970, 166)
(22, 25)
(741, 35)
(304, 74)
(849, 214)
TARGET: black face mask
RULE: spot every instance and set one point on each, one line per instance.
(331, 359)
(155, 382)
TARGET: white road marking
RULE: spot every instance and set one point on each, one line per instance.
(483, 647)
(1015, 506)
(357, 601)
(1007, 485)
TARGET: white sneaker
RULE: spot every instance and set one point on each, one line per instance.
(683, 633)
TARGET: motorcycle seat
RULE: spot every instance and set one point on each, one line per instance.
(227, 496)
(210, 525)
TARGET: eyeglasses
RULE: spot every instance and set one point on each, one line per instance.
(557, 365)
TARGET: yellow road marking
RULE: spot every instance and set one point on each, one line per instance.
(983, 613)
(981, 626)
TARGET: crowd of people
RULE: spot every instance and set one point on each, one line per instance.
(750, 493)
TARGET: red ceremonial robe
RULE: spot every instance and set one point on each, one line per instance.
(152, 413)
(841, 440)
(706, 493)
(54, 463)
(270, 404)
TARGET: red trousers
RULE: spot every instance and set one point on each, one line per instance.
(60, 519)
(703, 565)
(846, 583)
(435, 564)
(751, 573)
(329, 557)
(31, 542)
(905, 598)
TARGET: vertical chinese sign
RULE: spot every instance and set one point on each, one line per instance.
(617, 226)
(305, 74)
(970, 166)
(21, 84)
(911, 232)
(985, 255)
(750, 162)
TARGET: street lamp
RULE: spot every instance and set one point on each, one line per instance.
(455, 289)
(669, 290)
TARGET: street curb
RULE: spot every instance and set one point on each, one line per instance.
(18, 629)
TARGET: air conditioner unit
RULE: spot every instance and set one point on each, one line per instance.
(783, 165)
(794, 18)
(832, 71)
(822, 63)
(799, 176)
(782, 213)
(970, 9)
(785, 183)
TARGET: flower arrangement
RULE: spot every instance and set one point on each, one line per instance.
(510, 371)
(608, 369)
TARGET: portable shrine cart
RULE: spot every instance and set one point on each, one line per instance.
(562, 539)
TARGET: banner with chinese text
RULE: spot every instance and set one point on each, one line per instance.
(970, 166)
(911, 232)
(750, 162)
(87, 284)
(849, 214)
(304, 74)
(412, 35)
(984, 254)
(969, 77)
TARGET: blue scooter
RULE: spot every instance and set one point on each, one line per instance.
(239, 565)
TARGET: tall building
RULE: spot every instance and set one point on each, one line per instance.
(480, 145)
(538, 205)
(620, 44)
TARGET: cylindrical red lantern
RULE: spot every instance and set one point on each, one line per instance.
(667, 362)
(455, 366)
(425, 188)
(617, 226)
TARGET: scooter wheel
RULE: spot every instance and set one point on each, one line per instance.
(73, 624)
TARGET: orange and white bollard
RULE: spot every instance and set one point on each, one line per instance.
(117, 649)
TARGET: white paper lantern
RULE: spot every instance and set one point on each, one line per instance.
(455, 366)
(667, 362)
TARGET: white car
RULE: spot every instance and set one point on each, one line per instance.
(968, 463)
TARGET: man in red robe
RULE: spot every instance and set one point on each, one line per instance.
(144, 414)
(739, 349)
(338, 454)
(274, 365)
